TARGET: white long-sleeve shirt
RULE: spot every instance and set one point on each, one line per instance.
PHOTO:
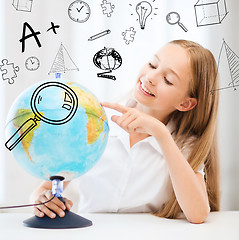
(126, 179)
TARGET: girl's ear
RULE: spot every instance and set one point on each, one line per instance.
(188, 104)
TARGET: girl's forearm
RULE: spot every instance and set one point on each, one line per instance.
(189, 187)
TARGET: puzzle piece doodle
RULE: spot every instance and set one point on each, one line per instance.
(107, 8)
(129, 35)
(8, 71)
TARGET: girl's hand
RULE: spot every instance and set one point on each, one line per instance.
(55, 206)
(135, 121)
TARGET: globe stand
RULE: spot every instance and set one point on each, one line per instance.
(70, 220)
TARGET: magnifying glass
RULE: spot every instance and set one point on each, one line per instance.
(174, 18)
(45, 108)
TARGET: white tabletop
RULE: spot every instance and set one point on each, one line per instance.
(219, 225)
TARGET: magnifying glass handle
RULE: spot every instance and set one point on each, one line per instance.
(183, 27)
(16, 138)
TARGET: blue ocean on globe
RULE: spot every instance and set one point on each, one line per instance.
(56, 128)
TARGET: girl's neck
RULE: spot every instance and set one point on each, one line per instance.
(163, 117)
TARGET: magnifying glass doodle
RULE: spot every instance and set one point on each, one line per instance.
(44, 106)
(174, 18)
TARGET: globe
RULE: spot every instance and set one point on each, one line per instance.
(56, 128)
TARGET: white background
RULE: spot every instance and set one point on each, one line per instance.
(16, 185)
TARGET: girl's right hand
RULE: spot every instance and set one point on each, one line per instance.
(50, 209)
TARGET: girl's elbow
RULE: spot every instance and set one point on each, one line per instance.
(200, 216)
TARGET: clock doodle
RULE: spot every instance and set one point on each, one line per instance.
(79, 11)
(32, 63)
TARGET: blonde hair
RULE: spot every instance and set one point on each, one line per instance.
(199, 124)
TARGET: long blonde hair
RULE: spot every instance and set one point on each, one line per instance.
(201, 123)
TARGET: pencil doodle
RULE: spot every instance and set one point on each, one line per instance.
(99, 35)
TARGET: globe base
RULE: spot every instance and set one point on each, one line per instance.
(70, 220)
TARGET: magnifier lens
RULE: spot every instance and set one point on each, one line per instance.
(173, 18)
(53, 104)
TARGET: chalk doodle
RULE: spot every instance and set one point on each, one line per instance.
(9, 71)
(209, 12)
(79, 11)
(144, 11)
(23, 5)
(107, 59)
(32, 34)
(99, 35)
(129, 35)
(107, 8)
(32, 63)
(174, 18)
(233, 64)
(63, 62)
(53, 27)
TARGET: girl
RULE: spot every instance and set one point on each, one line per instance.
(162, 152)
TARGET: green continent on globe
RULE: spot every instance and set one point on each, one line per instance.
(22, 115)
(92, 108)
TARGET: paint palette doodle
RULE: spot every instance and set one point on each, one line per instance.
(9, 71)
(129, 35)
(107, 8)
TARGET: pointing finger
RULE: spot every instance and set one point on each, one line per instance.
(115, 106)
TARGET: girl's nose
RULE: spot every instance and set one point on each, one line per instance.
(150, 79)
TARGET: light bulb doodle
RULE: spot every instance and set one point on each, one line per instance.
(107, 59)
(174, 18)
(39, 105)
(143, 9)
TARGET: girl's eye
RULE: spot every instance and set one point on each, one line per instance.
(167, 81)
(151, 65)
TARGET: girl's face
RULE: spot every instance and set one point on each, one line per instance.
(163, 83)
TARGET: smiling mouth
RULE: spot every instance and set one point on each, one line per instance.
(144, 89)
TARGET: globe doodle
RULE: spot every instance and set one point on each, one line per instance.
(57, 128)
(107, 59)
